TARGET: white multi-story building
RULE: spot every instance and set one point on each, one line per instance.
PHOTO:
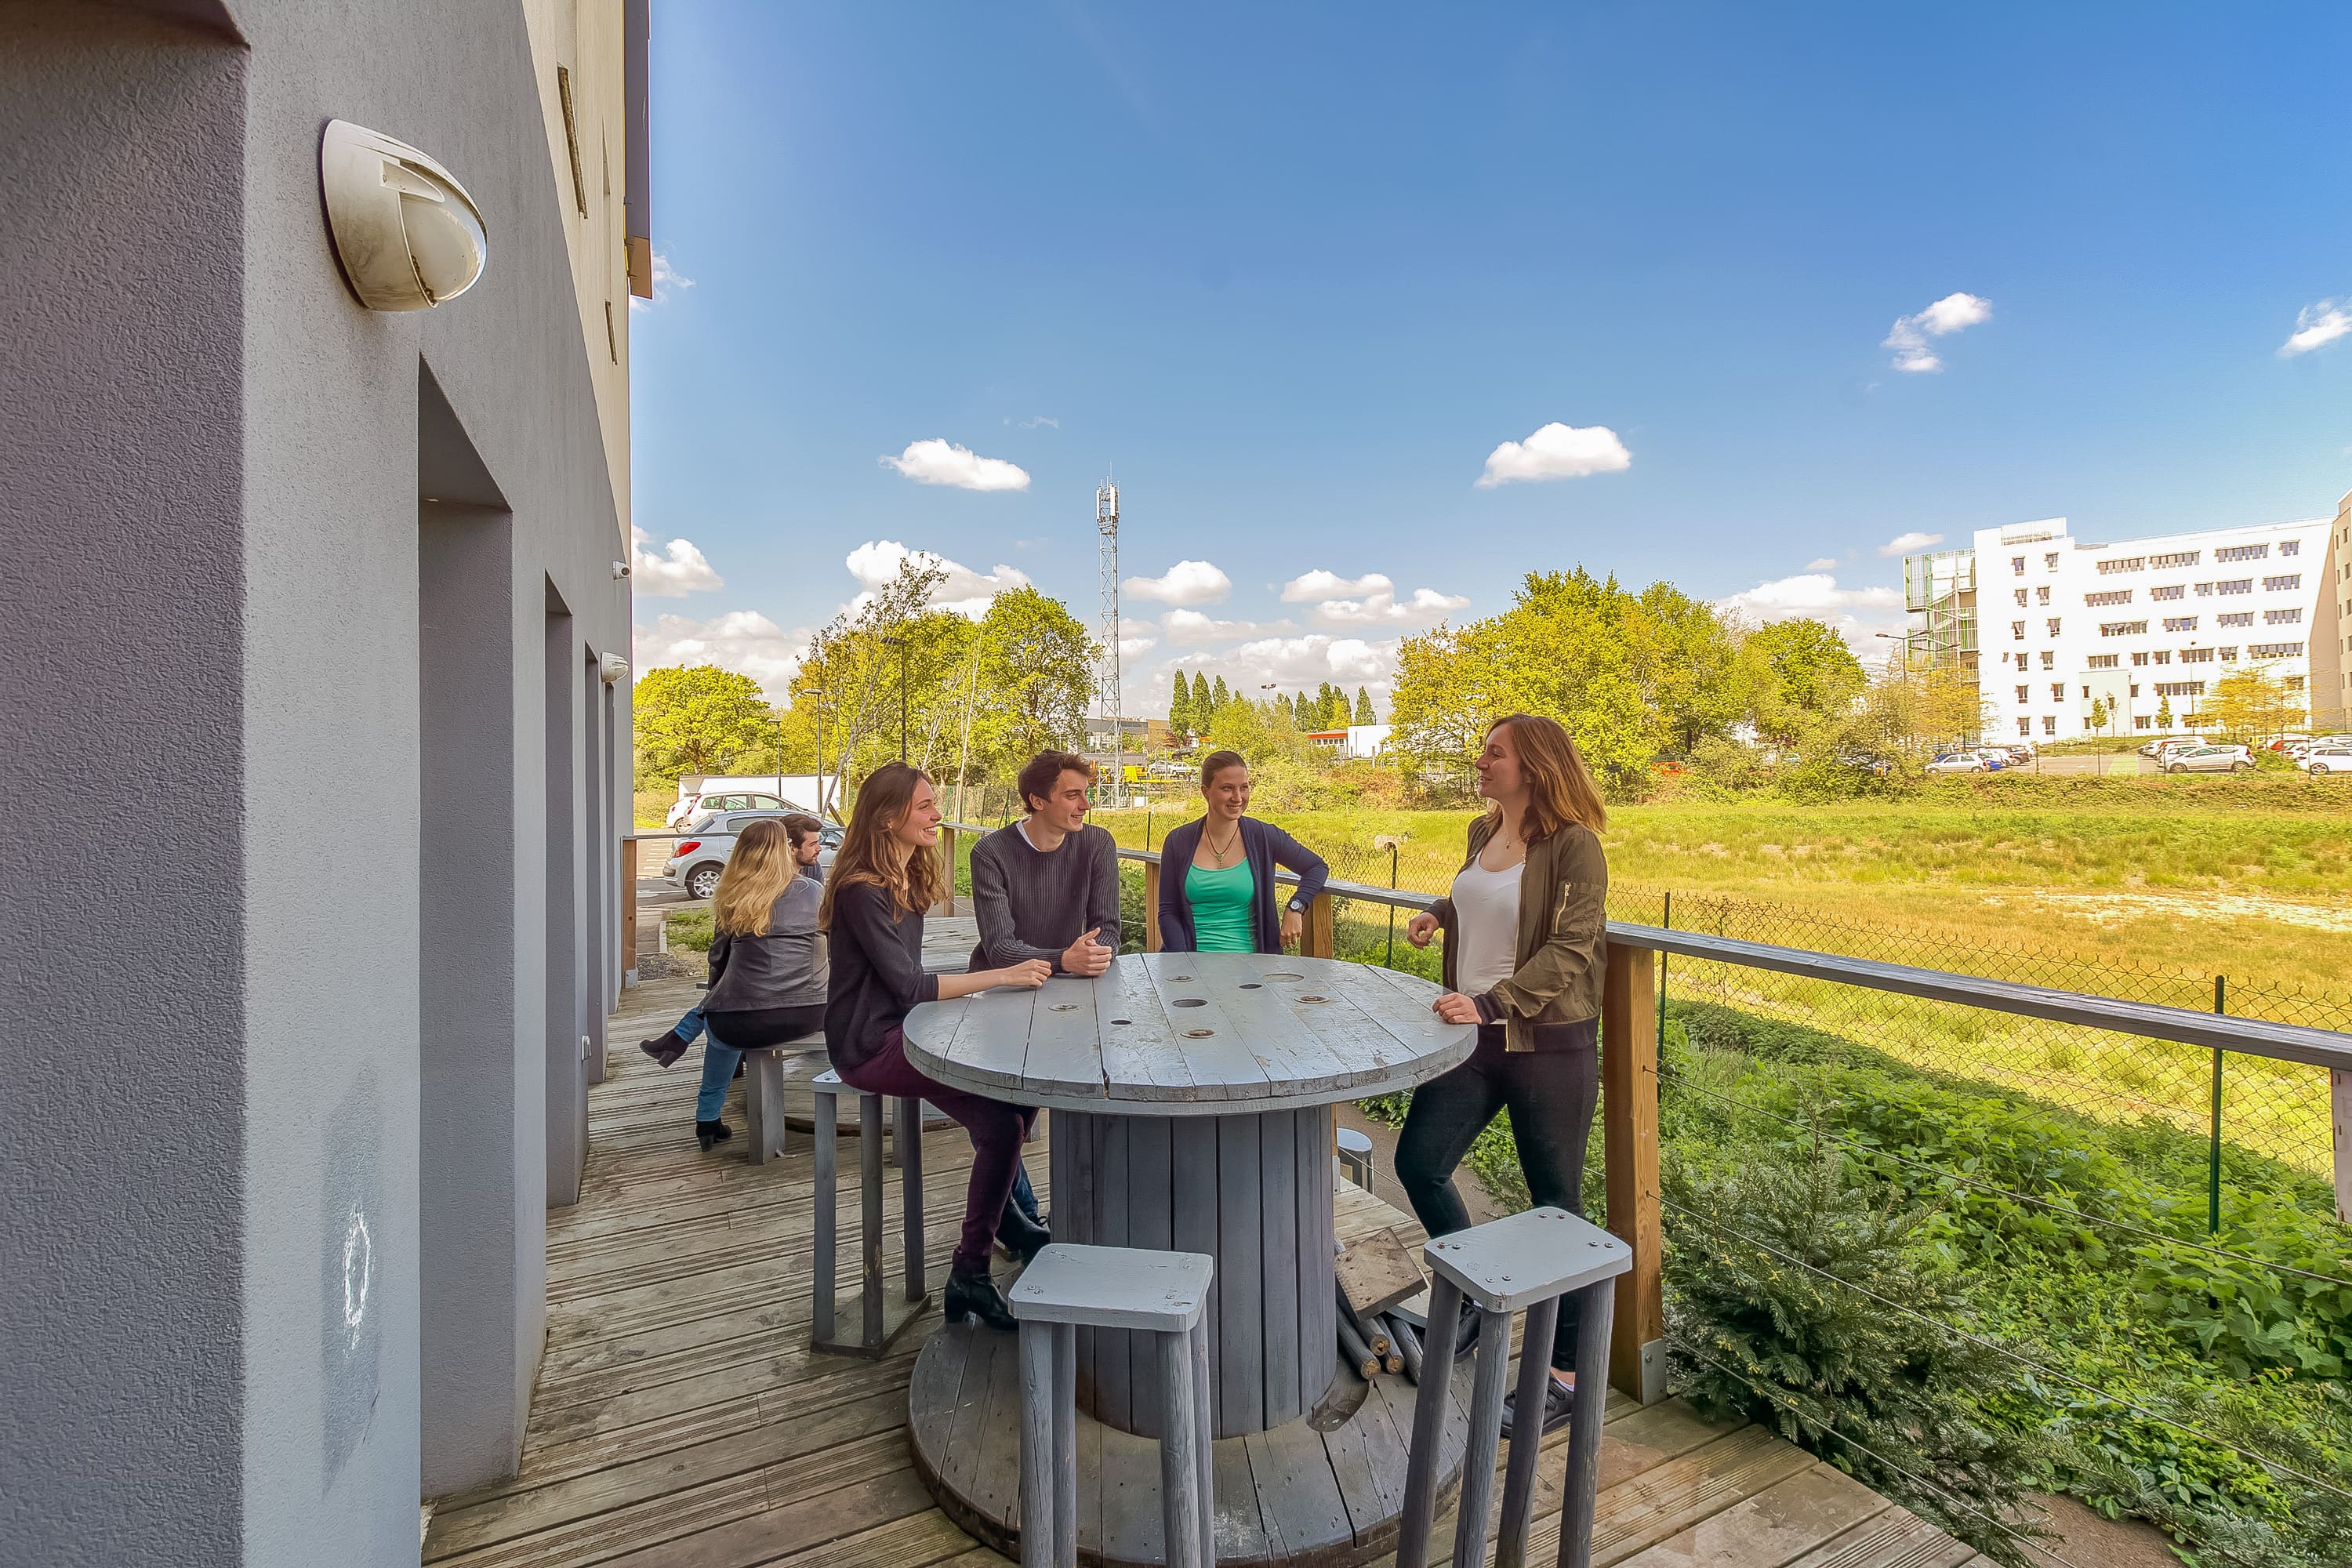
(2142, 629)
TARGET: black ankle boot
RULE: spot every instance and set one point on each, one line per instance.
(975, 1295)
(665, 1049)
(1022, 1237)
(710, 1132)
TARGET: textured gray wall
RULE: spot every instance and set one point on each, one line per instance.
(216, 1300)
(122, 1096)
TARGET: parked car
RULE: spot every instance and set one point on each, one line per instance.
(697, 859)
(688, 809)
(2328, 757)
(2210, 760)
(1957, 762)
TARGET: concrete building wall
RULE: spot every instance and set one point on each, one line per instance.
(281, 1108)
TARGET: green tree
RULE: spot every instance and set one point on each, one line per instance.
(1179, 707)
(2164, 714)
(1797, 671)
(1205, 707)
(1035, 675)
(1218, 698)
(702, 719)
(1364, 714)
(2251, 706)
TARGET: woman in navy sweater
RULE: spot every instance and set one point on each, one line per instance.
(1216, 874)
(886, 875)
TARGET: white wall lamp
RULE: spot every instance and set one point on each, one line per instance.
(406, 232)
(614, 668)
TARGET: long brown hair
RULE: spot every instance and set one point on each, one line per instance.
(1559, 787)
(761, 868)
(870, 850)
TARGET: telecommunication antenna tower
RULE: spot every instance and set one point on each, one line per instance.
(1106, 692)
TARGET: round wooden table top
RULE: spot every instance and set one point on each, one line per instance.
(1193, 1034)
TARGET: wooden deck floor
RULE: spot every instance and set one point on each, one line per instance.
(679, 1419)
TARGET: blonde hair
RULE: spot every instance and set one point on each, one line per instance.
(1559, 787)
(870, 849)
(757, 873)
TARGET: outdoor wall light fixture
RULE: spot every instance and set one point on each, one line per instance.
(406, 232)
(614, 668)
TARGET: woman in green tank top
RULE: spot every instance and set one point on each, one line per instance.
(1217, 888)
(1224, 914)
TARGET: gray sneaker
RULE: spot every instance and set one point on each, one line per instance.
(1559, 1404)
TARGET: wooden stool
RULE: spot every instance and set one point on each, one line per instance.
(1066, 1287)
(1530, 1260)
(763, 1096)
(875, 1332)
(1356, 1156)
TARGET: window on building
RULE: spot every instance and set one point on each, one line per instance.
(2017, 564)
(2237, 585)
(2164, 656)
(2024, 726)
(2197, 656)
(2185, 558)
(2139, 722)
(2042, 595)
(2118, 628)
(2021, 691)
(2054, 625)
(2129, 564)
(2290, 547)
(2049, 724)
(2234, 618)
(2204, 590)
(2174, 592)
(2049, 562)
(2229, 654)
(2047, 656)
(2107, 599)
(2017, 630)
(2283, 617)
(2086, 694)
(2294, 683)
(2020, 599)
(2282, 585)
(2242, 553)
(2181, 623)
(2274, 651)
(2139, 659)
(2058, 691)
(2102, 660)
(2134, 689)
(2180, 689)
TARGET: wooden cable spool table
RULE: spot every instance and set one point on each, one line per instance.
(1191, 1097)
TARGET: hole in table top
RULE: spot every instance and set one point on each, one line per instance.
(1065, 1007)
(1182, 979)
(1315, 998)
(1189, 1002)
(1286, 977)
(1122, 1020)
(1198, 1033)
(1252, 985)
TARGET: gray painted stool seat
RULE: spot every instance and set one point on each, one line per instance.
(1527, 1261)
(764, 1096)
(880, 1321)
(1067, 1288)
(1356, 1156)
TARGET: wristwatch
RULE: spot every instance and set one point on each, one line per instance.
(1297, 906)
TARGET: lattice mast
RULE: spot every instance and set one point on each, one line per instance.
(1106, 691)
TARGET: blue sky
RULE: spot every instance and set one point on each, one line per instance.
(1296, 274)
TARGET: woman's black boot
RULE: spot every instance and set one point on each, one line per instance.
(708, 1133)
(1023, 1237)
(975, 1295)
(665, 1049)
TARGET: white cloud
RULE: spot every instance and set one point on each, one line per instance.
(1855, 614)
(1901, 544)
(2316, 326)
(963, 590)
(940, 462)
(1297, 663)
(741, 640)
(1946, 316)
(1321, 584)
(1826, 563)
(1034, 421)
(1128, 647)
(1191, 627)
(1426, 608)
(1186, 583)
(666, 277)
(677, 571)
(1555, 451)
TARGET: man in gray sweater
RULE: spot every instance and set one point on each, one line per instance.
(1047, 886)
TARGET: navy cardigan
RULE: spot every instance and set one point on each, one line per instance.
(1265, 847)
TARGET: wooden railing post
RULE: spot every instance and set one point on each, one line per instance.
(1151, 906)
(1319, 940)
(1629, 1095)
(947, 855)
(2339, 1099)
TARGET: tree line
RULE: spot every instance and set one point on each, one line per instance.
(1194, 709)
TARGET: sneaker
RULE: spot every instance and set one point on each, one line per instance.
(1559, 1404)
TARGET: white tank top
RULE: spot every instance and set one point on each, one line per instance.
(1487, 918)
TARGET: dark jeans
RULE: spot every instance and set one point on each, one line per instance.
(1551, 1096)
(996, 1132)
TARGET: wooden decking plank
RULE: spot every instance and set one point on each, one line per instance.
(792, 1522)
(1896, 1538)
(918, 1541)
(1783, 1521)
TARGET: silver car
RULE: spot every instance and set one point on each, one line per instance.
(2328, 757)
(2210, 760)
(697, 859)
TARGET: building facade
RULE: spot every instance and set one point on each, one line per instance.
(2067, 639)
(328, 605)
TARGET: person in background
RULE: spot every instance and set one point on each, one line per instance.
(1217, 890)
(1034, 884)
(885, 874)
(807, 844)
(766, 986)
(1525, 941)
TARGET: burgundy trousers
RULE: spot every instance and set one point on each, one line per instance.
(997, 1131)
